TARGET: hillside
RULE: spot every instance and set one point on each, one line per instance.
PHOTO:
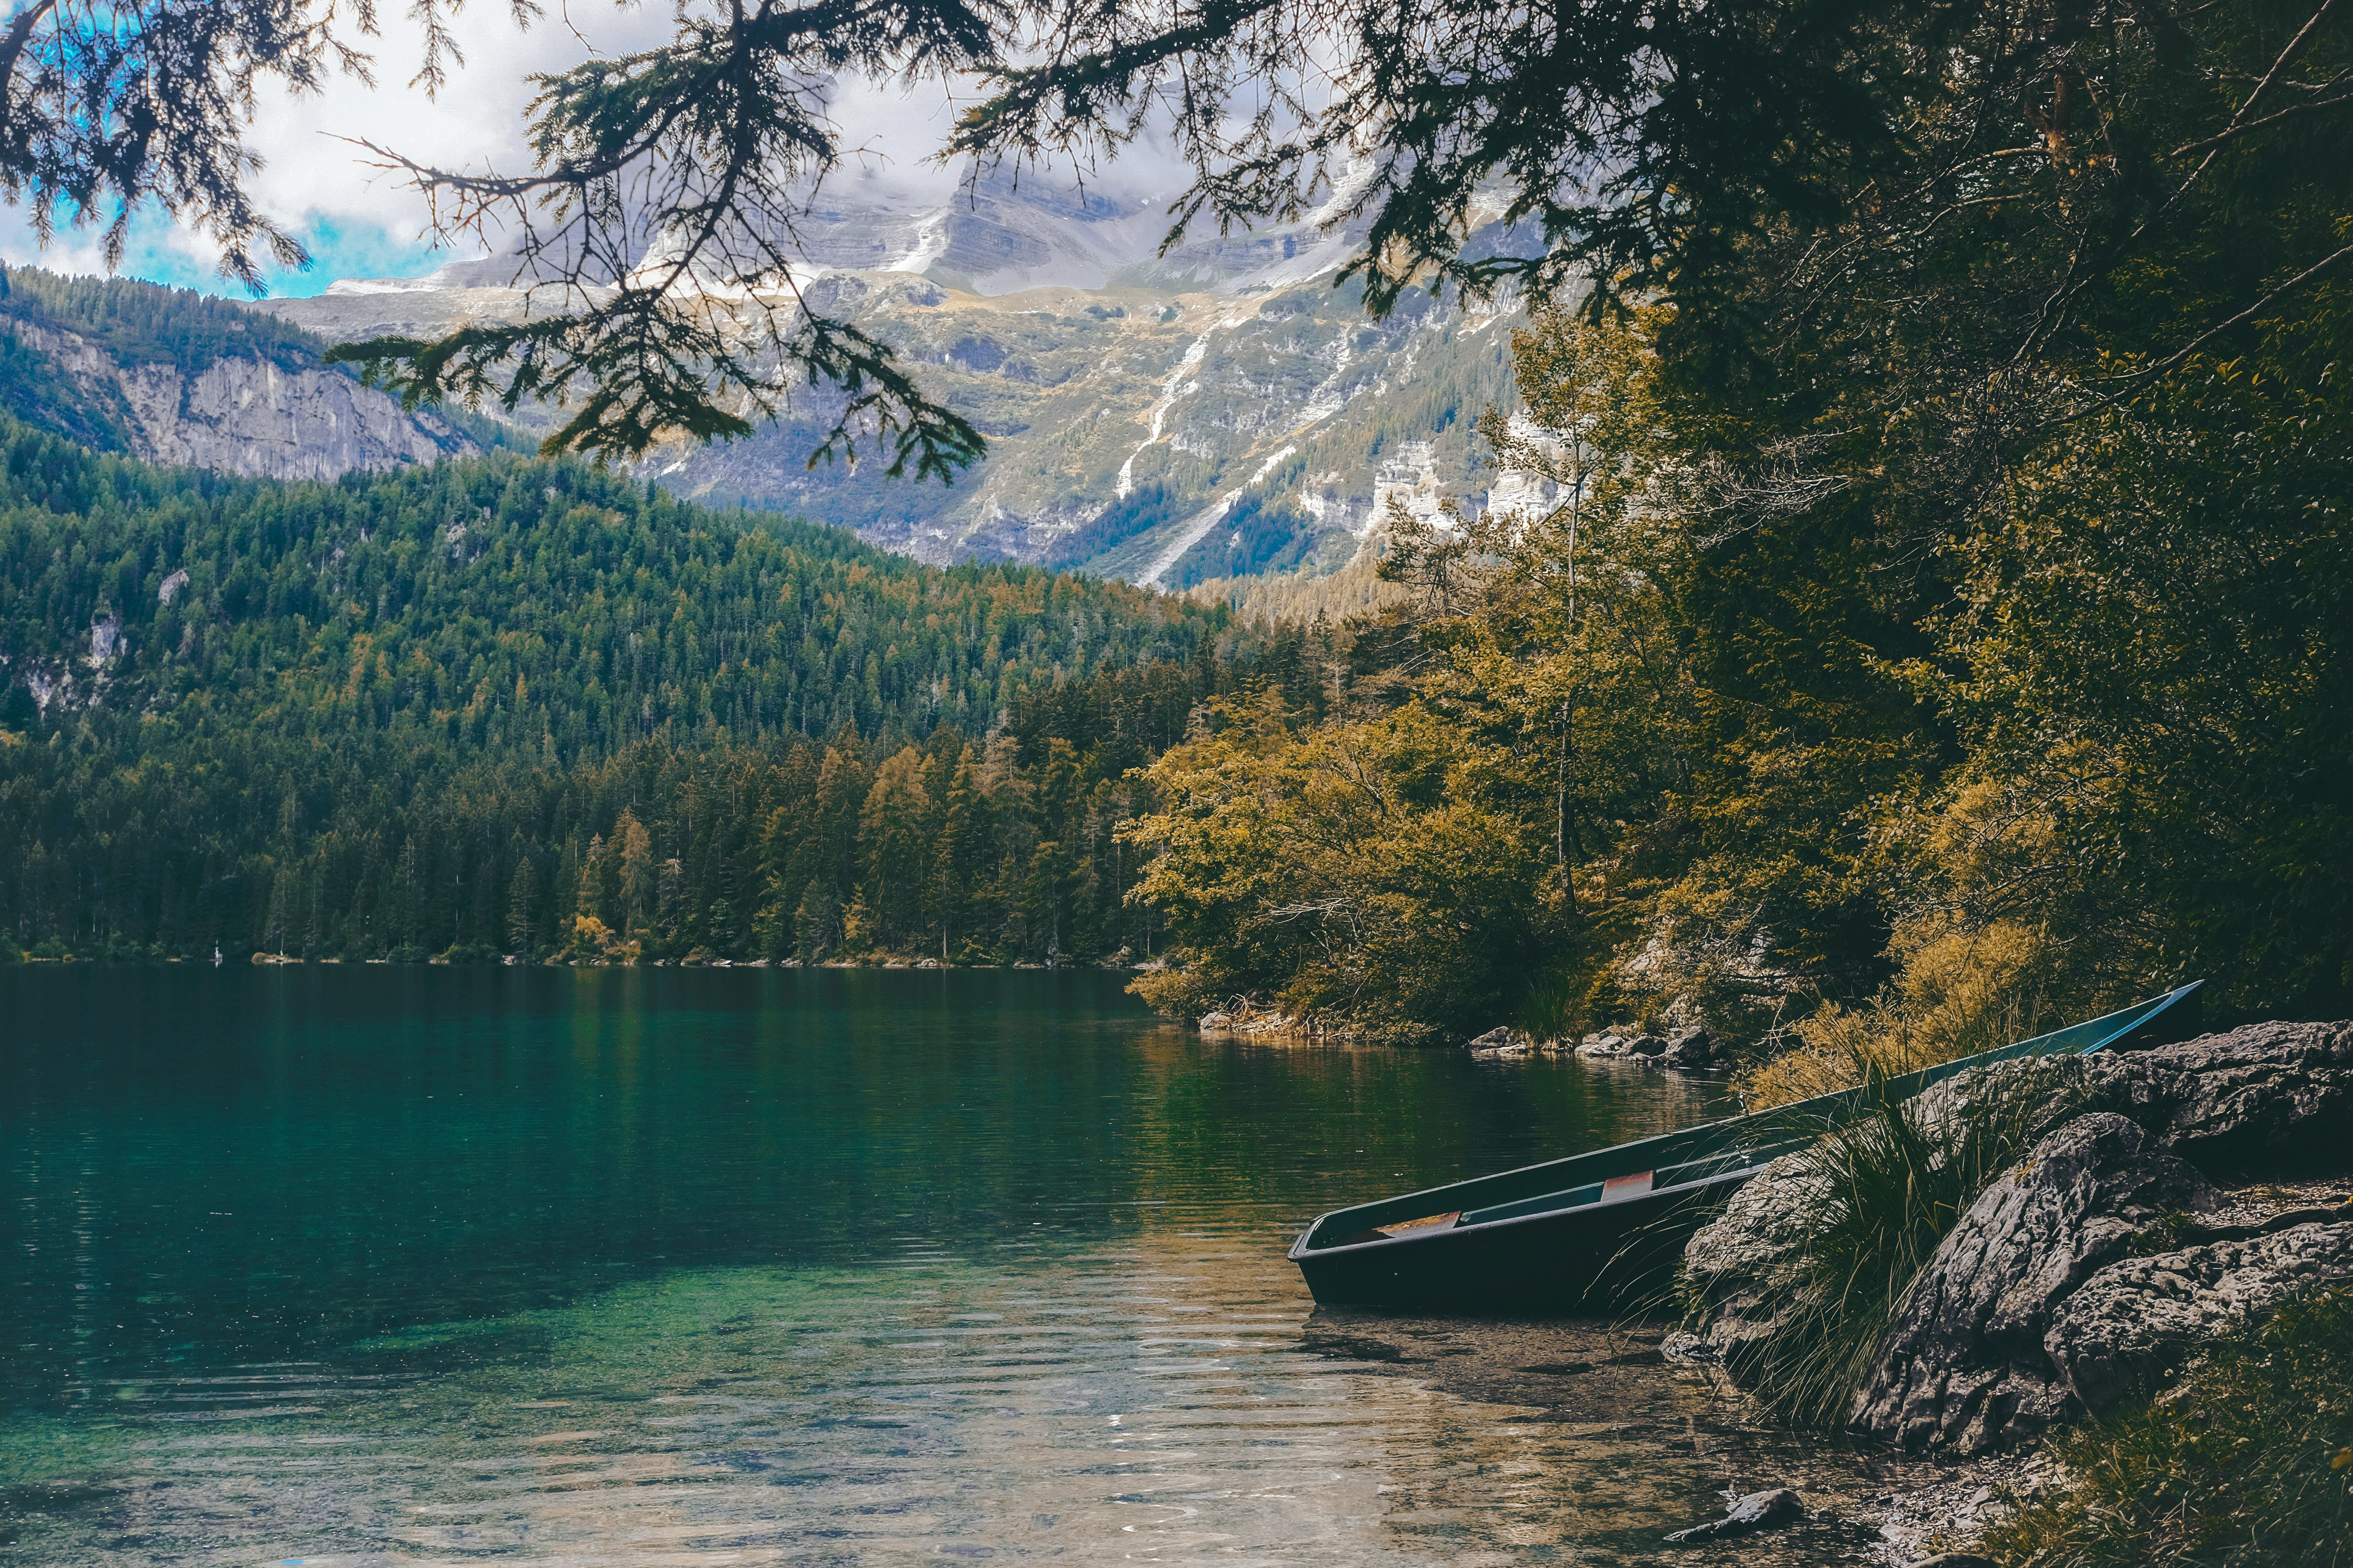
(383, 698)
(1222, 411)
(171, 376)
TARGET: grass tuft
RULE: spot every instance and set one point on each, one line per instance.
(2246, 1463)
(1893, 1181)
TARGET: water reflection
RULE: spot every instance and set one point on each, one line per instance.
(383, 1268)
(1147, 1402)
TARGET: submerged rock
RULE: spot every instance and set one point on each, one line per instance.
(1965, 1367)
(1758, 1511)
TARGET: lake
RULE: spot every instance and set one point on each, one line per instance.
(374, 1265)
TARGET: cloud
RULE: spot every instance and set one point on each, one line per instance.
(359, 220)
(363, 221)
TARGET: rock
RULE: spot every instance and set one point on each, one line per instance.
(1211, 1021)
(1730, 1264)
(1684, 1348)
(1600, 1047)
(1965, 1367)
(2271, 1098)
(248, 417)
(1645, 1046)
(1500, 1042)
(2139, 1318)
(1758, 1511)
(1690, 1047)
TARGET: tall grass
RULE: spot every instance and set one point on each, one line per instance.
(1894, 1181)
(1961, 993)
(2246, 1463)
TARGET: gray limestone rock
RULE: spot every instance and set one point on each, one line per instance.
(2036, 1307)
(2272, 1096)
(1758, 1511)
(249, 417)
(2139, 1318)
(1730, 1263)
(1965, 1369)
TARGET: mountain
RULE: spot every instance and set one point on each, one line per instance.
(1218, 410)
(171, 376)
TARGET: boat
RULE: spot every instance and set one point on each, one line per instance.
(1598, 1228)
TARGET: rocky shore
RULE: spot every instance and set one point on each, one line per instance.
(1691, 1047)
(2168, 1199)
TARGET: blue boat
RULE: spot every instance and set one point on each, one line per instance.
(1594, 1229)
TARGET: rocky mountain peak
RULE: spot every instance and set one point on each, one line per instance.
(169, 376)
(1218, 410)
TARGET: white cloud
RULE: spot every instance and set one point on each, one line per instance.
(361, 221)
(319, 186)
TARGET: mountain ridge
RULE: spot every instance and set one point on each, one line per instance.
(1225, 382)
(170, 377)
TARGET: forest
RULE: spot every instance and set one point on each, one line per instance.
(1946, 625)
(508, 707)
(1943, 624)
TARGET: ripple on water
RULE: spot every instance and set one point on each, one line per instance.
(1167, 1401)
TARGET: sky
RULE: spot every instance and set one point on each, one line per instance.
(360, 222)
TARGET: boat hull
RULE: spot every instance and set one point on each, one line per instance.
(1618, 1258)
(1604, 1229)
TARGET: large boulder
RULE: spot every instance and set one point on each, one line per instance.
(1733, 1265)
(2070, 1284)
(2268, 1098)
(2140, 1318)
(1965, 1367)
(1692, 1046)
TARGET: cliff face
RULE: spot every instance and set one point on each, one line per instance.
(1218, 411)
(166, 391)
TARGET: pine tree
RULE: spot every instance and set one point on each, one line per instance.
(523, 900)
(894, 851)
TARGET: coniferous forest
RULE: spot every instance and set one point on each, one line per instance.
(509, 707)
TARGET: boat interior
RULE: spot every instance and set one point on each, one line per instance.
(1687, 1164)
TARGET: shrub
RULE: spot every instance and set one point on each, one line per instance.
(2246, 1463)
(1959, 993)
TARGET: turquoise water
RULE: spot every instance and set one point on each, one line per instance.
(374, 1265)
